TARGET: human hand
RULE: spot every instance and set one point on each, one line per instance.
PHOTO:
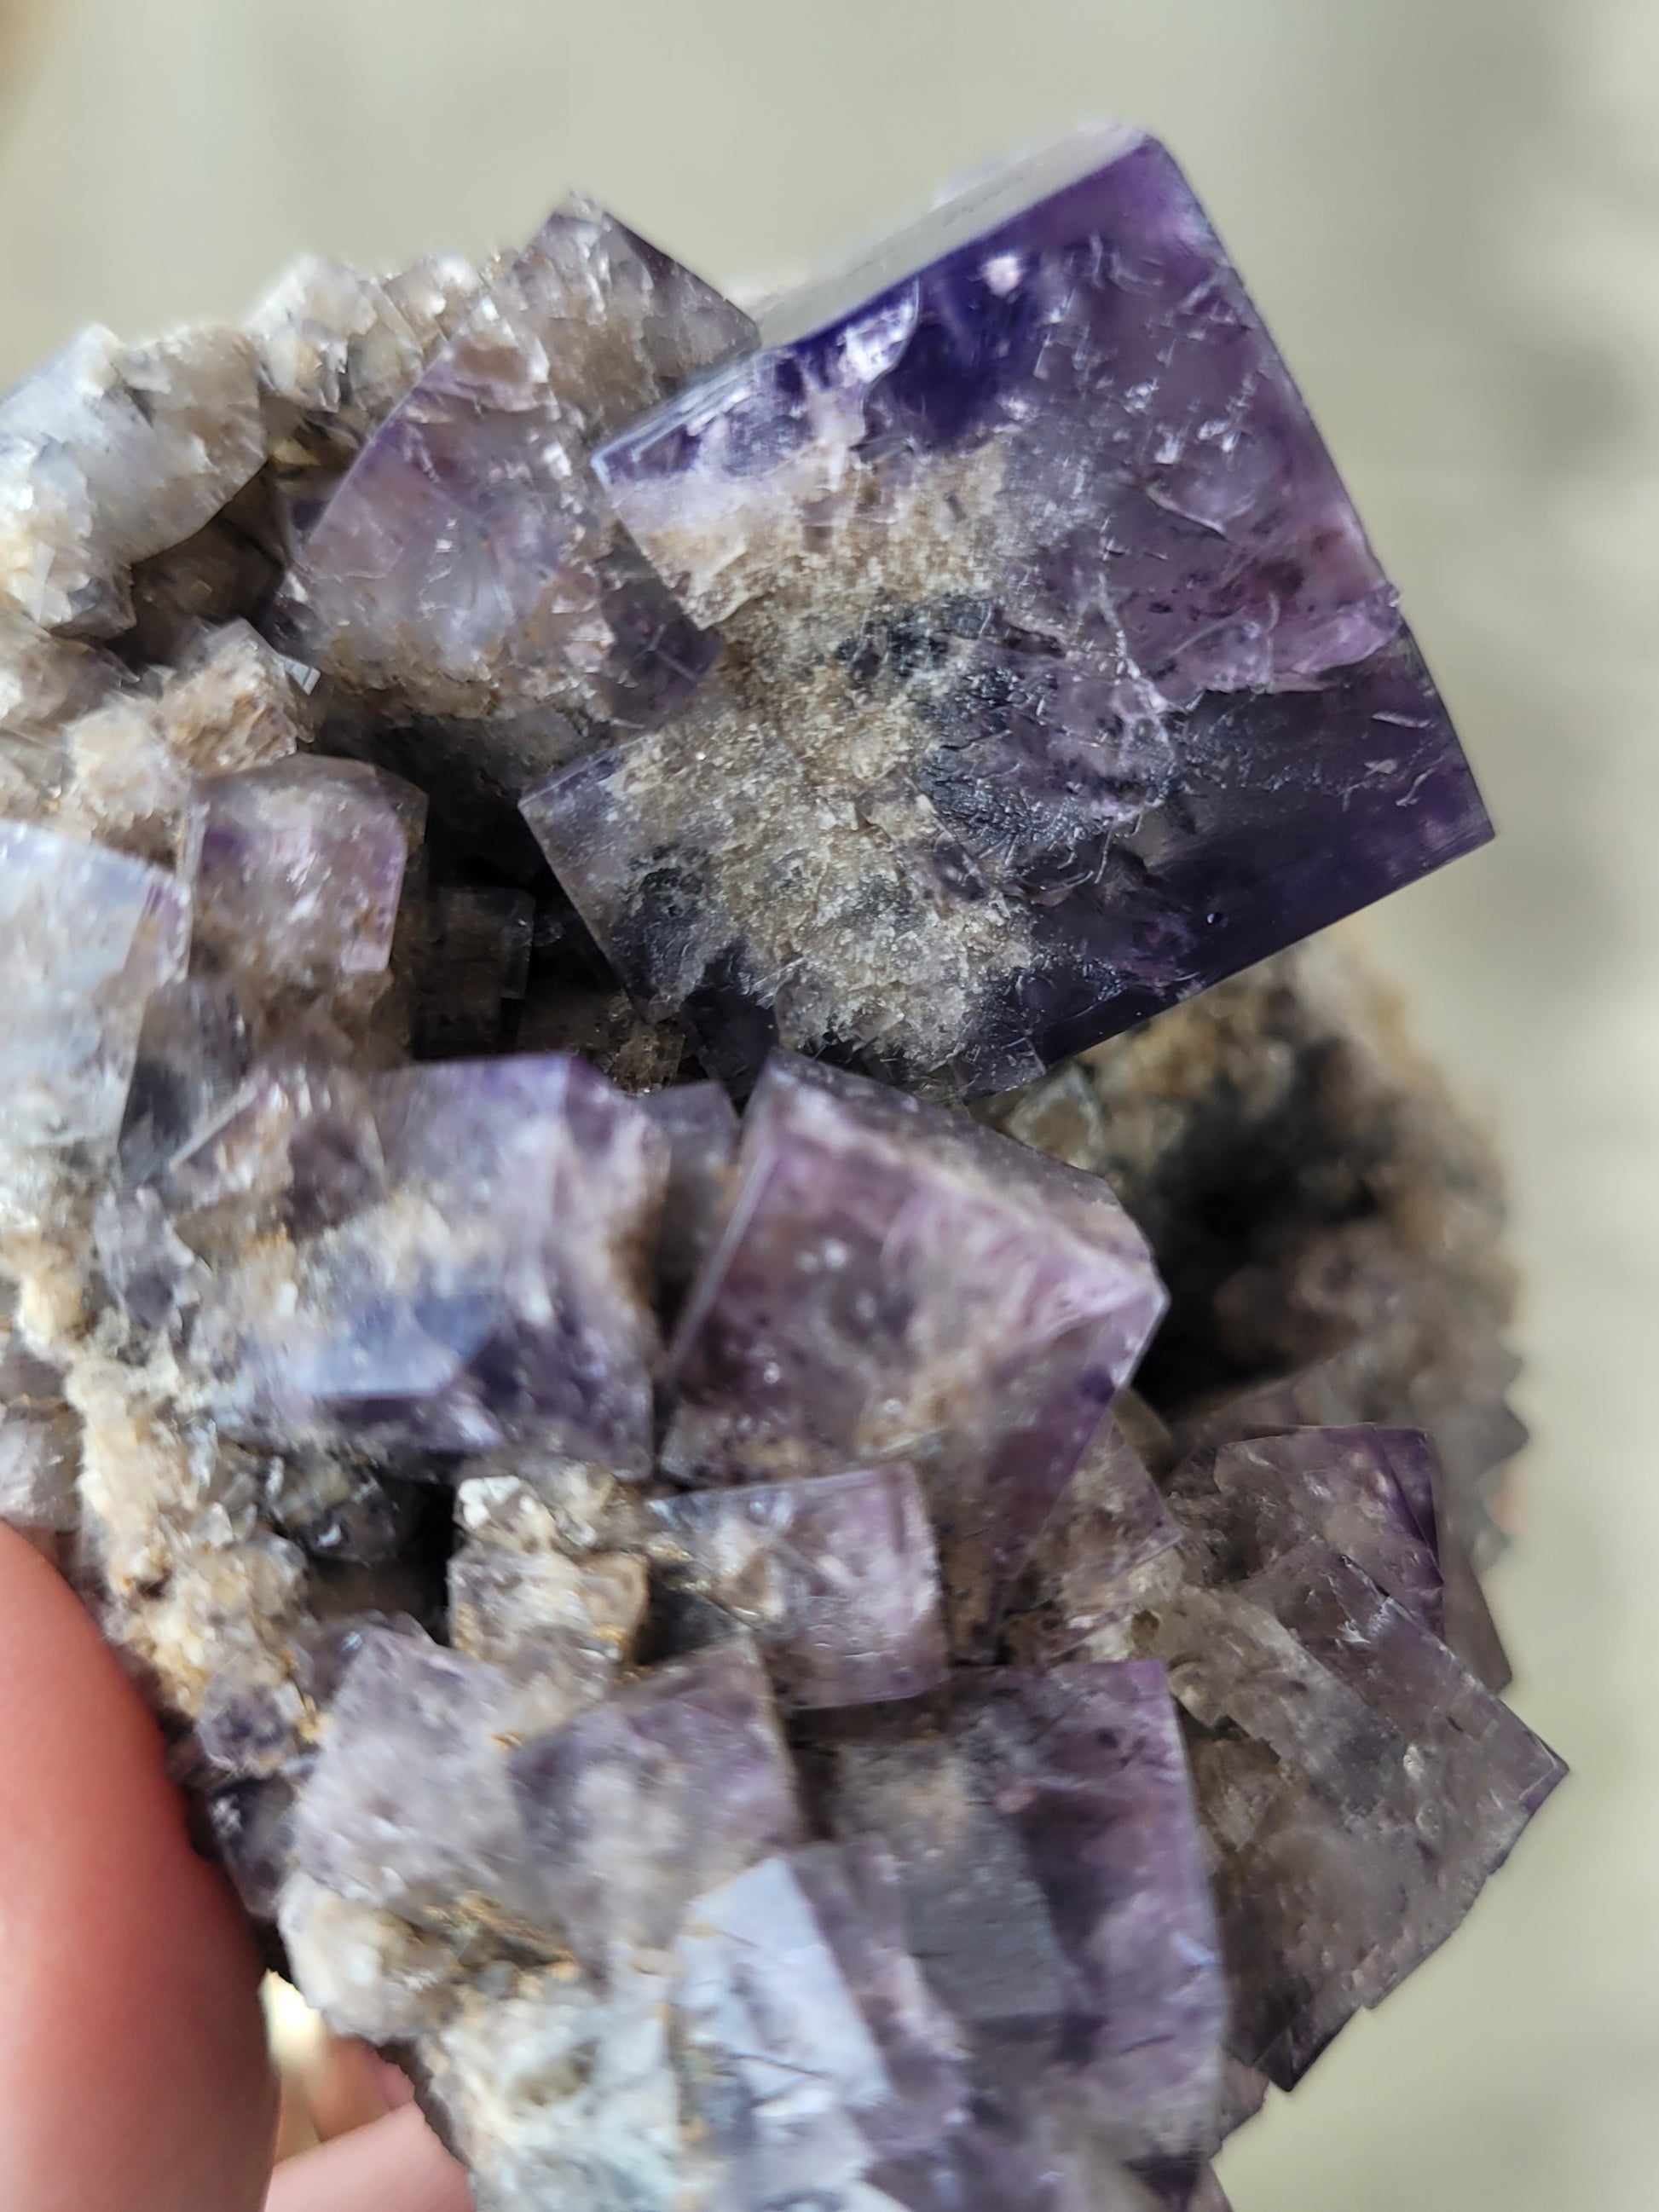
(134, 2076)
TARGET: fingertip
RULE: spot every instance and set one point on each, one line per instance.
(133, 2071)
(397, 2165)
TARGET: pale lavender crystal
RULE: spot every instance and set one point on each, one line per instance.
(854, 1891)
(409, 1805)
(301, 867)
(467, 563)
(493, 1292)
(86, 936)
(813, 2043)
(1330, 1397)
(1061, 679)
(895, 1282)
(194, 1049)
(150, 1270)
(297, 1140)
(673, 1786)
(1054, 1882)
(836, 1578)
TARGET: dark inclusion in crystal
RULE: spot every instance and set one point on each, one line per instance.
(1060, 680)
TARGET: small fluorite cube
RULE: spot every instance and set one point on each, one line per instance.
(835, 1577)
(1061, 680)
(494, 1293)
(675, 1785)
(467, 563)
(86, 936)
(301, 865)
(895, 1282)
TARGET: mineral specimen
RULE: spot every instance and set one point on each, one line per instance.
(1059, 679)
(677, 1624)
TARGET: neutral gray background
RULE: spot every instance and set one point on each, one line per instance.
(1450, 211)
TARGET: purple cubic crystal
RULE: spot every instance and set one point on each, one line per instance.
(467, 563)
(300, 866)
(86, 936)
(1340, 1484)
(1359, 1783)
(494, 1293)
(816, 2045)
(1053, 1882)
(1061, 681)
(409, 1805)
(675, 1785)
(895, 1282)
(836, 1579)
(1330, 1397)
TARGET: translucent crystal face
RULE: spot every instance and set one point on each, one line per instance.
(660, 1588)
(1047, 617)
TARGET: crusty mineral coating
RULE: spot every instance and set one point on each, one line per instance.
(329, 1380)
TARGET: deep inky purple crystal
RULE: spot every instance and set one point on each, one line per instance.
(1052, 632)
(894, 1282)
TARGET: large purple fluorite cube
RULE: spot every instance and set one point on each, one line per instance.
(895, 1282)
(1060, 679)
(467, 563)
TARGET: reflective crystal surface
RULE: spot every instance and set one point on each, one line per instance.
(894, 1282)
(1060, 679)
(466, 562)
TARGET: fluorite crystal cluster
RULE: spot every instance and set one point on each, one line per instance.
(661, 1590)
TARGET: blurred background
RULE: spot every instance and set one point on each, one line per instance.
(1450, 211)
